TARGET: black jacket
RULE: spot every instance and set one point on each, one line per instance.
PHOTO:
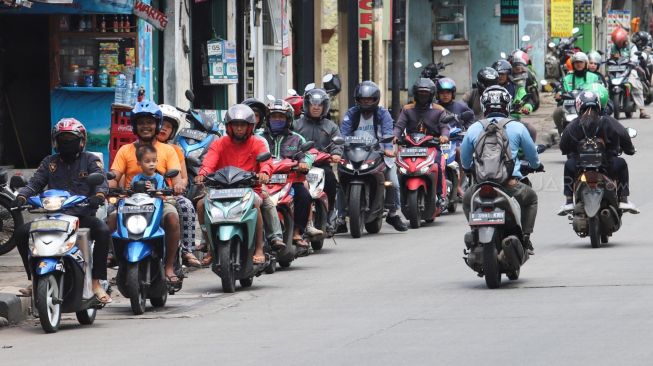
(614, 135)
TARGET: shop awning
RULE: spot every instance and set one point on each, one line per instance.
(74, 7)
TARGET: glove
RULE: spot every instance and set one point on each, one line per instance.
(96, 201)
(540, 168)
(18, 201)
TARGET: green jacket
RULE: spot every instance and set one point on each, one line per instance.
(573, 82)
(520, 94)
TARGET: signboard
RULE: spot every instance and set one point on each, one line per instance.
(221, 60)
(76, 7)
(510, 11)
(583, 12)
(365, 19)
(562, 18)
(617, 18)
(285, 29)
(150, 14)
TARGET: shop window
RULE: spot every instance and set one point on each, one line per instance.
(271, 23)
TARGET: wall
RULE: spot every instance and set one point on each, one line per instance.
(419, 37)
(532, 22)
(487, 36)
(176, 63)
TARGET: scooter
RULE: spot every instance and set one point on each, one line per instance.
(140, 246)
(452, 168)
(558, 54)
(620, 88)
(61, 258)
(361, 175)
(231, 225)
(9, 219)
(596, 210)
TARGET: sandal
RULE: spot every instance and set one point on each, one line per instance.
(258, 259)
(300, 243)
(190, 260)
(277, 244)
(207, 260)
(175, 284)
(102, 296)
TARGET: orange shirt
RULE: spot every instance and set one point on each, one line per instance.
(125, 161)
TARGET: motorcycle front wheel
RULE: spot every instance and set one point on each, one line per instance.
(9, 221)
(319, 222)
(356, 214)
(48, 303)
(616, 108)
(414, 215)
(86, 317)
(137, 296)
(227, 273)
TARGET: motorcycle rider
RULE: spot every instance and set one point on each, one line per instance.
(496, 106)
(578, 79)
(446, 95)
(286, 144)
(67, 170)
(260, 111)
(594, 60)
(239, 149)
(621, 48)
(485, 78)
(615, 139)
(368, 117)
(517, 93)
(314, 126)
(146, 120)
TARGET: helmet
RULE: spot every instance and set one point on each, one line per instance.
(430, 71)
(424, 84)
(619, 37)
(587, 99)
(446, 84)
(640, 39)
(242, 113)
(297, 103)
(496, 99)
(486, 76)
(594, 57)
(258, 106)
(174, 116)
(367, 89)
(146, 108)
(580, 57)
(282, 107)
(316, 96)
(601, 91)
(520, 57)
(502, 67)
(68, 125)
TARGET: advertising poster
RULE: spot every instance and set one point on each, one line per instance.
(562, 18)
(221, 59)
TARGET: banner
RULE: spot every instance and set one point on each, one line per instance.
(222, 62)
(365, 19)
(150, 14)
(562, 18)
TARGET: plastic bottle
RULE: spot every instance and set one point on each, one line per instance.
(120, 89)
(134, 94)
(103, 25)
(129, 71)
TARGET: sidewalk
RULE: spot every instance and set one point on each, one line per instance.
(542, 120)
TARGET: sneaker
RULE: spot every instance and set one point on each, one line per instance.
(628, 207)
(313, 232)
(341, 226)
(397, 223)
(565, 209)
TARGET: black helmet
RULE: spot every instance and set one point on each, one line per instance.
(430, 71)
(502, 66)
(367, 89)
(496, 99)
(316, 97)
(424, 84)
(587, 99)
(640, 39)
(486, 77)
(260, 108)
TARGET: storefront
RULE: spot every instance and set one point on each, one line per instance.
(65, 60)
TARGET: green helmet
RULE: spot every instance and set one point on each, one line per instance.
(602, 92)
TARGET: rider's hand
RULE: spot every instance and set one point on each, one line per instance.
(444, 139)
(525, 111)
(148, 185)
(200, 179)
(303, 167)
(263, 178)
(540, 168)
(178, 188)
(96, 201)
(556, 96)
(389, 153)
(335, 159)
(18, 201)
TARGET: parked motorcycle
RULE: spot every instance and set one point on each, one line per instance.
(558, 54)
(9, 219)
(433, 73)
(494, 244)
(60, 258)
(620, 89)
(361, 175)
(140, 246)
(231, 225)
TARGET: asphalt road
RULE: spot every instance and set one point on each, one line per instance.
(398, 298)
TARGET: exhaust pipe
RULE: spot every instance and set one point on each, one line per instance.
(607, 220)
(512, 253)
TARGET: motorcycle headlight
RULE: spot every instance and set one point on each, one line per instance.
(349, 166)
(424, 169)
(136, 224)
(195, 153)
(365, 166)
(217, 214)
(237, 211)
(617, 81)
(53, 203)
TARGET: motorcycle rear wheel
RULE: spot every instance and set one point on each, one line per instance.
(246, 282)
(374, 226)
(356, 214)
(594, 228)
(320, 222)
(86, 317)
(616, 106)
(159, 302)
(491, 266)
(9, 221)
(227, 272)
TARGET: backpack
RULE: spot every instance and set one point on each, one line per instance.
(492, 155)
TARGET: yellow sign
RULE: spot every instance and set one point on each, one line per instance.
(562, 18)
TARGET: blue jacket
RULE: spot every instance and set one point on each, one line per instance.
(158, 182)
(518, 136)
(382, 120)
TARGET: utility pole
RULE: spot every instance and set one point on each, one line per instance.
(396, 70)
(380, 63)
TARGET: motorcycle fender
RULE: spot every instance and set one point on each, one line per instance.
(414, 183)
(135, 251)
(485, 234)
(592, 200)
(226, 232)
(44, 266)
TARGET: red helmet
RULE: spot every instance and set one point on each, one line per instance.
(520, 57)
(297, 103)
(68, 125)
(619, 36)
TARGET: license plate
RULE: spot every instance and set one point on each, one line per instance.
(619, 68)
(193, 134)
(413, 151)
(136, 209)
(356, 140)
(487, 218)
(569, 102)
(49, 225)
(217, 194)
(312, 177)
(445, 147)
(278, 178)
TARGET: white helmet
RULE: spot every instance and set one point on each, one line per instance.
(174, 116)
(580, 57)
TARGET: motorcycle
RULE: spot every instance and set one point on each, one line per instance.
(361, 175)
(558, 54)
(60, 258)
(140, 246)
(9, 219)
(439, 66)
(620, 89)
(231, 225)
(494, 244)
(596, 210)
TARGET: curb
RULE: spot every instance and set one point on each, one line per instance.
(14, 308)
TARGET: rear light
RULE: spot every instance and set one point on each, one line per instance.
(487, 191)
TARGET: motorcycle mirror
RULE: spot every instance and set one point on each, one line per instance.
(292, 92)
(326, 78)
(503, 55)
(190, 96)
(632, 132)
(307, 146)
(111, 175)
(552, 45)
(338, 140)
(445, 52)
(467, 116)
(448, 118)
(308, 87)
(95, 179)
(140, 186)
(171, 173)
(332, 84)
(270, 98)
(575, 30)
(263, 157)
(526, 38)
(193, 162)
(17, 181)
(417, 65)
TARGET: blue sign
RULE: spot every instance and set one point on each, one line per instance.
(77, 7)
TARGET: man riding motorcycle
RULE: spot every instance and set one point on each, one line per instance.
(496, 106)
(615, 138)
(67, 170)
(239, 149)
(314, 126)
(368, 116)
(485, 78)
(517, 92)
(446, 95)
(621, 48)
(261, 113)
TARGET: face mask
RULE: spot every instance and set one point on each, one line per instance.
(422, 99)
(277, 127)
(69, 149)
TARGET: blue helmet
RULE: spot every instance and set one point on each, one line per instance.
(146, 108)
(446, 84)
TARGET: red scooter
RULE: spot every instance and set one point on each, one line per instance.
(419, 161)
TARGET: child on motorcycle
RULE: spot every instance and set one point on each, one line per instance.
(146, 157)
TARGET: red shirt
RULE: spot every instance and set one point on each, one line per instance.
(225, 152)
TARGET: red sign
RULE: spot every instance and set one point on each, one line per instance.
(150, 14)
(365, 19)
